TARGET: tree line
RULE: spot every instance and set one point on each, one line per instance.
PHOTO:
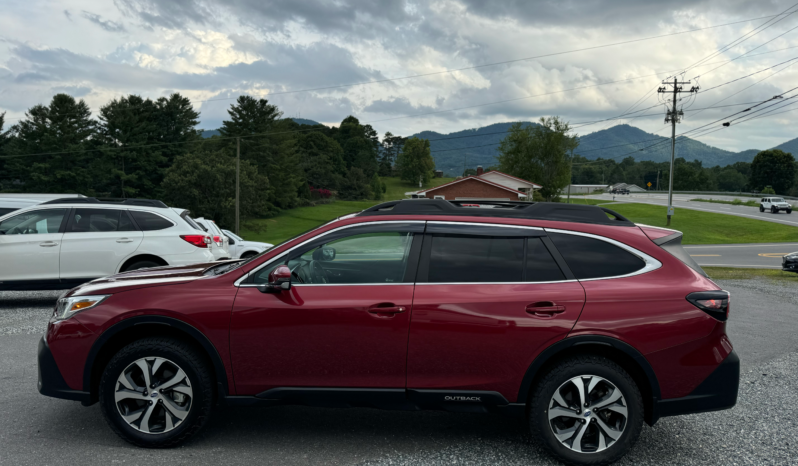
(548, 154)
(137, 147)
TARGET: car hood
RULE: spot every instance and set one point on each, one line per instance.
(792, 255)
(256, 244)
(143, 278)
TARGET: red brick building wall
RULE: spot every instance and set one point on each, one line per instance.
(472, 188)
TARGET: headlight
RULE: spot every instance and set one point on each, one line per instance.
(67, 307)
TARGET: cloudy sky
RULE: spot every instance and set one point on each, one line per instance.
(290, 50)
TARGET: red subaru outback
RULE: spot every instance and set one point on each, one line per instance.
(572, 316)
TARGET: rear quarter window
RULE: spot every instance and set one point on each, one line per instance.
(594, 258)
(150, 222)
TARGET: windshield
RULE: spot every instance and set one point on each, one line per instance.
(777, 199)
(230, 234)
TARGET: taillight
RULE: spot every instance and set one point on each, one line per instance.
(714, 303)
(217, 239)
(200, 241)
(469, 205)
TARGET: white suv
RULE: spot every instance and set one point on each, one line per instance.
(219, 246)
(774, 205)
(61, 243)
(243, 249)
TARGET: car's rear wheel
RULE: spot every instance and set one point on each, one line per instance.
(761, 208)
(586, 411)
(143, 264)
(156, 392)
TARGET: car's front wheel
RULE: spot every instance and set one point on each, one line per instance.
(586, 411)
(789, 211)
(774, 210)
(156, 392)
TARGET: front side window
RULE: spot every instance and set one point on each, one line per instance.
(150, 222)
(38, 222)
(594, 258)
(476, 259)
(367, 258)
(99, 220)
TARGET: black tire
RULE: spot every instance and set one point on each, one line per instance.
(774, 210)
(542, 395)
(789, 211)
(198, 378)
(761, 209)
(143, 264)
(248, 254)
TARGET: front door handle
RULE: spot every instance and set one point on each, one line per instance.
(124, 240)
(48, 244)
(386, 310)
(545, 309)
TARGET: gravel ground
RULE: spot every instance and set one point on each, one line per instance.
(760, 430)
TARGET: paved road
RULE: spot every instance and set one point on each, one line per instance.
(766, 255)
(683, 201)
(36, 430)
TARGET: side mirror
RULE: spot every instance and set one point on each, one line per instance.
(279, 280)
(230, 240)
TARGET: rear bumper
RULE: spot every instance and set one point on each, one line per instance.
(717, 392)
(51, 382)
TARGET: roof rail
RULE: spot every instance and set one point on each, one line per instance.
(553, 211)
(108, 200)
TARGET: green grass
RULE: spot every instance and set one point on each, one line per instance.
(698, 227)
(587, 201)
(293, 222)
(728, 273)
(710, 228)
(734, 202)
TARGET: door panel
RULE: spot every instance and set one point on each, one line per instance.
(320, 336)
(30, 244)
(96, 242)
(481, 337)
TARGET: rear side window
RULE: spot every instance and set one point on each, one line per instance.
(593, 258)
(99, 220)
(191, 222)
(470, 259)
(150, 222)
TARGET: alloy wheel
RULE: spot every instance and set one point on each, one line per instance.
(587, 414)
(153, 395)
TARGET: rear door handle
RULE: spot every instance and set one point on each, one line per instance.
(386, 309)
(545, 309)
(124, 240)
(48, 244)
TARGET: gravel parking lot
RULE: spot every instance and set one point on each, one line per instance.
(761, 429)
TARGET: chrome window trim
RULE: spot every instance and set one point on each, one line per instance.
(498, 283)
(336, 284)
(284, 253)
(500, 225)
(651, 263)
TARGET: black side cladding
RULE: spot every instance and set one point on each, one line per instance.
(673, 244)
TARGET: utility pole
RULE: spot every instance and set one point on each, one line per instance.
(673, 116)
(238, 171)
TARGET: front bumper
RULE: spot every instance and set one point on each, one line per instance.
(51, 382)
(715, 393)
(789, 264)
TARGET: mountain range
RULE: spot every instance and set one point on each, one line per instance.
(468, 148)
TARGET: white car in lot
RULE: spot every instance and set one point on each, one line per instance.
(16, 201)
(774, 205)
(61, 243)
(242, 249)
(219, 246)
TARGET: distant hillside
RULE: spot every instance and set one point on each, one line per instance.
(452, 153)
(481, 148)
(206, 133)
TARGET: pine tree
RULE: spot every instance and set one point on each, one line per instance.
(63, 136)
